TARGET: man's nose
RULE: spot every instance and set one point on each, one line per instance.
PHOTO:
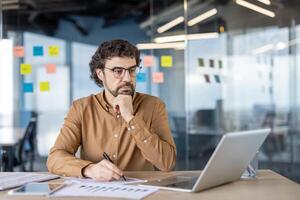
(126, 76)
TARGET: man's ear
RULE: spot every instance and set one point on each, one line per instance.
(99, 73)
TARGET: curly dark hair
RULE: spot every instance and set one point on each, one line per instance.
(109, 49)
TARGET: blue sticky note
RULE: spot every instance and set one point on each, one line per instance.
(38, 51)
(141, 77)
(28, 87)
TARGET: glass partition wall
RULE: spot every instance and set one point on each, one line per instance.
(242, 77)
(237, 71)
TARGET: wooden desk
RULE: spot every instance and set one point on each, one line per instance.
(9, 137)
(267, 186)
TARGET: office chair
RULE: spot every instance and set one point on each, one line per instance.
(26, 148)
(275, 142)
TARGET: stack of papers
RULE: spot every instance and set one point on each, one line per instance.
(104, 190)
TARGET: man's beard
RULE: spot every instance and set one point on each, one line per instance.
(119, 90)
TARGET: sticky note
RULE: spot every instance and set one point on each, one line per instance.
(25, 69)
(19, 51)
(211, 63)
(166, 61)
(28, 87)
(158, 77)
(206, 77)
(141, 77)
(50, 68)
(44, 86)
(38, 51)
(148, 61)
(220, 64)
(53, 50)
(217, 79)
(200, 62)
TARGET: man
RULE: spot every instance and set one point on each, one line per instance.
(132, 128)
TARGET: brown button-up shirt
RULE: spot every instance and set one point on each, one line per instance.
(142, 144)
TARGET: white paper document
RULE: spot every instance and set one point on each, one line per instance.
(104, 190)
(129, 180)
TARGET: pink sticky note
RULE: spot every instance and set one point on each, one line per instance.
(19, 51)
(158, 77)
(50, 68)
(148, 61)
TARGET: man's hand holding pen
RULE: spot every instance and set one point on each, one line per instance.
(103, 171)
(108, 158)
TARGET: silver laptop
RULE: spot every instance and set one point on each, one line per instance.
(228, 162)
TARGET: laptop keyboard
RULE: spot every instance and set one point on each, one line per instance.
(16, 179)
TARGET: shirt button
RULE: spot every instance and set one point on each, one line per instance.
(118, 116)
(114, 156)
(128, 128)
(145, 141)
(132, 127)
(116, 135)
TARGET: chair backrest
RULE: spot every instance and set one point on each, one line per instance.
(28, 142)
(205, 118)
(180, 124)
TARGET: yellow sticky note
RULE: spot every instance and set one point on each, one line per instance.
(53, 50)
(166, 61)
(25, 69)
(44, 86)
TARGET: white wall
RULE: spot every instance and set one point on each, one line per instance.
(6, 82)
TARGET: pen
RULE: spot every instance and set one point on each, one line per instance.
(108, 158)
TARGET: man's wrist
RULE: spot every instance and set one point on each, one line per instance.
(85, 171)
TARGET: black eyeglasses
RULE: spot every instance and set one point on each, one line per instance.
(119, 72)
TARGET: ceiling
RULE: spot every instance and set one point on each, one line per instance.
(230, 15)
(45, 15)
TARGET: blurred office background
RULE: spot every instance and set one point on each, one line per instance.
(219, 65)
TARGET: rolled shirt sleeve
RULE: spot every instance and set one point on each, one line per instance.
(61, 159)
